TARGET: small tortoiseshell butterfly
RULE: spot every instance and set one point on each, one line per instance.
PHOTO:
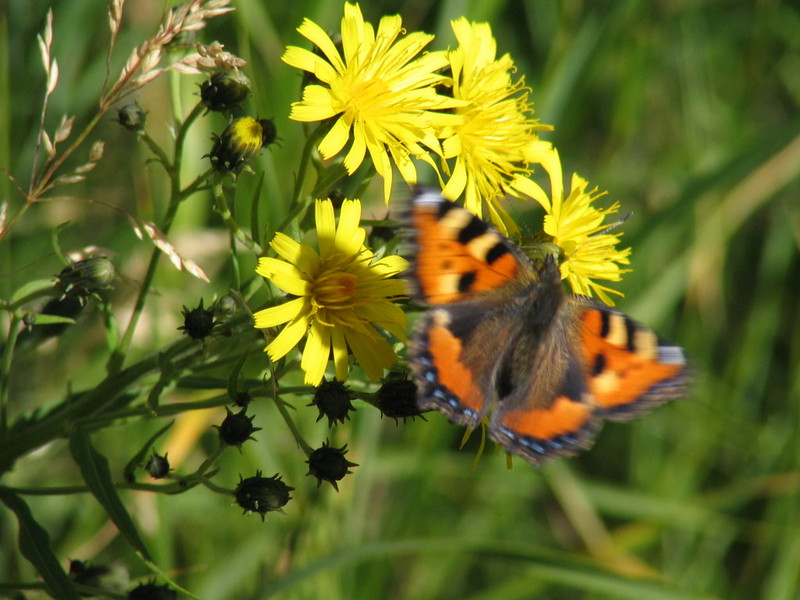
(503, 336)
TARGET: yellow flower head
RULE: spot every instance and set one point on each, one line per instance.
(497, 139)
(343, 295)
(382, 91)
(577, 227)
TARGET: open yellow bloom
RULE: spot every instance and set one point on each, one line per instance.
(496, 141)
(342, 297)
(382, 91)
(577, 227)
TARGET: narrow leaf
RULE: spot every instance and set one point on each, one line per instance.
(45, 319)
(97, 475)
(233, 380)
(32, 289)
(34, 543)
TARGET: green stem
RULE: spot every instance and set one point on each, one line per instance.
(221, 205)
(42, 185)
(290, 423)
(164, 410)
(196, 184)
(176, 487)
(156, 149)
(216, 488)
(14, 327)
(117, 358)
(209, 462)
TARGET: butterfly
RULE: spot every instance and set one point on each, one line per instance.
(502, 338)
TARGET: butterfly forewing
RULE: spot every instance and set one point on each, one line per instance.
(456, 255)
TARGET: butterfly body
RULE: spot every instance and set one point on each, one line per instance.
(502, 338)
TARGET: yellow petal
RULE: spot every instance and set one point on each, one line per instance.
(349, 236)
(300, 58)
(341, 358)
(335, 139)
(302, 255)
(530, 188)
(390, 265)
(326, 226)
(316, 35)
(317, 105)
(277, 315)
(457, 182)
(316, 353)
(386, 315)
(284, 275)
(287, 339)
(373, 353)
(357, 151)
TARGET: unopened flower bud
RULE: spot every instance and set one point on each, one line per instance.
(198, 322)
(132, 117)
(262, 494)
(86, 277)
(225, 90)
(241, 141)
(329, 464)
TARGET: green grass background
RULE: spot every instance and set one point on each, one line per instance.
(685, 111)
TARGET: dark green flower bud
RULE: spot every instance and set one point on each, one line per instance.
(132, 117)
(333, 401)
(198, 322)
(237, 428)
(225, 90)
(151, 591)
(85, 277)
(262, 494)
(329, 464)
(397, 397)
(240, 142)
(157, 466)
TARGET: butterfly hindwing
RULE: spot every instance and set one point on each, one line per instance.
(454, 350)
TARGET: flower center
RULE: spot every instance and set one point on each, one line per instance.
(334, 289)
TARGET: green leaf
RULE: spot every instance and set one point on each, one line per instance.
(33, 289)
(97, 475)
(56, 245)
(138, 458)
(34, 543)
(44, 319)
(233, 380)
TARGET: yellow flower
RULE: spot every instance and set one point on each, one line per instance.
(497, 140)
(382, 91)
(577, 227)
(342, 297)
